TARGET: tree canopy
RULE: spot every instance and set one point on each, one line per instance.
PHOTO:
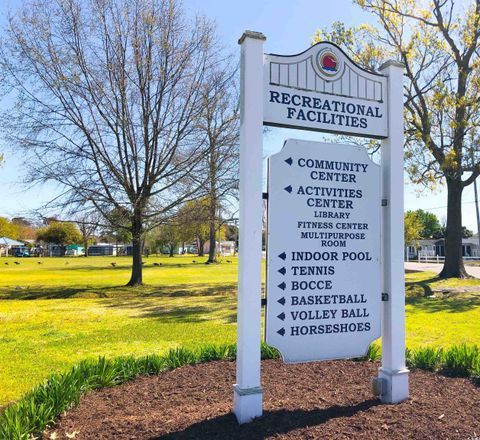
(9, 229)
(413, 228)
(438, 42)
(430, 225)
(61, 233)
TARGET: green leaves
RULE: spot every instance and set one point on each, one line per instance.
(62, 233)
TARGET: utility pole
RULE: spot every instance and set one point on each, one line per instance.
(476, 211)
(476, 203)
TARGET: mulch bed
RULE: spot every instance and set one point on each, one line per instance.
(324, 400)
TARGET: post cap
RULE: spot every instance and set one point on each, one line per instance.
(394, 63)
(252, 34)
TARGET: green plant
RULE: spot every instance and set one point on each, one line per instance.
(374, 353)
(461, 360)
(427, 358)
(268, 352)
(214, 352)
(41, 406)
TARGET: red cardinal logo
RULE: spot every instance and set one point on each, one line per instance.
(329, 63)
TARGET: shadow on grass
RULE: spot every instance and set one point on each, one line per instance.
(272, 423)
(422, 284)
(147, 291)
(419, 291)
(223, 306)
(127, 266)
(449, 305)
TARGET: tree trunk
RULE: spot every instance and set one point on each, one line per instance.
(453, 266)
(212, 234)
(85, 247)
(201, 252)
(137, 227)
(171, 249)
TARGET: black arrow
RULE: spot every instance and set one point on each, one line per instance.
(288, 189)
(281, 300)
(283, 255)
(282, 286)
(281, 332)
(289, 161)
(283, 271)
(281, 316)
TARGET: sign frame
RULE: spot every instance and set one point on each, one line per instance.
(393, 375)
(297, 83)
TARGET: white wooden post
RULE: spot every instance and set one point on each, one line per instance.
(247, 401)
(393, 372)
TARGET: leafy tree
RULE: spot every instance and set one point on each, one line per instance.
(9, 229)
(26, 230)
(438, 42)
(231, 232)
(441, 233)
(61, 233)
(194, 218)
(430, 225)
(413, 228)
(109, 96)
(168, 237)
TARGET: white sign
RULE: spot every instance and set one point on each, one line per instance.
(322, 89)
(323, 251)
(324, 216)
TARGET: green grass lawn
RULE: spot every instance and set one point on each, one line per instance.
(54, 314)
(441, 319)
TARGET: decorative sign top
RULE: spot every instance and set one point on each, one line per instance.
(322, 89)
(323, 251)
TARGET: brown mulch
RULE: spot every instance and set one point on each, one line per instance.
(324, 400)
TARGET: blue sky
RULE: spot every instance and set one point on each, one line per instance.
(289, 26)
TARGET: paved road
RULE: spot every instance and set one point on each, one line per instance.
(434, 267)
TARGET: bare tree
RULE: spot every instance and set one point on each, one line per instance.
(109, 94)
(220, 124)
(87, 224)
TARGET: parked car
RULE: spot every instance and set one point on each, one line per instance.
(20, 253)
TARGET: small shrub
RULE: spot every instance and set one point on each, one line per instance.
(209, 353)
(428, 358)
(461, 360)
(373, 354)
(268, 352)
(475, 375)
(178, 357)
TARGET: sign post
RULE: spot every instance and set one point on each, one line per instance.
(335, 278)
(393, 373)
(247, 402)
